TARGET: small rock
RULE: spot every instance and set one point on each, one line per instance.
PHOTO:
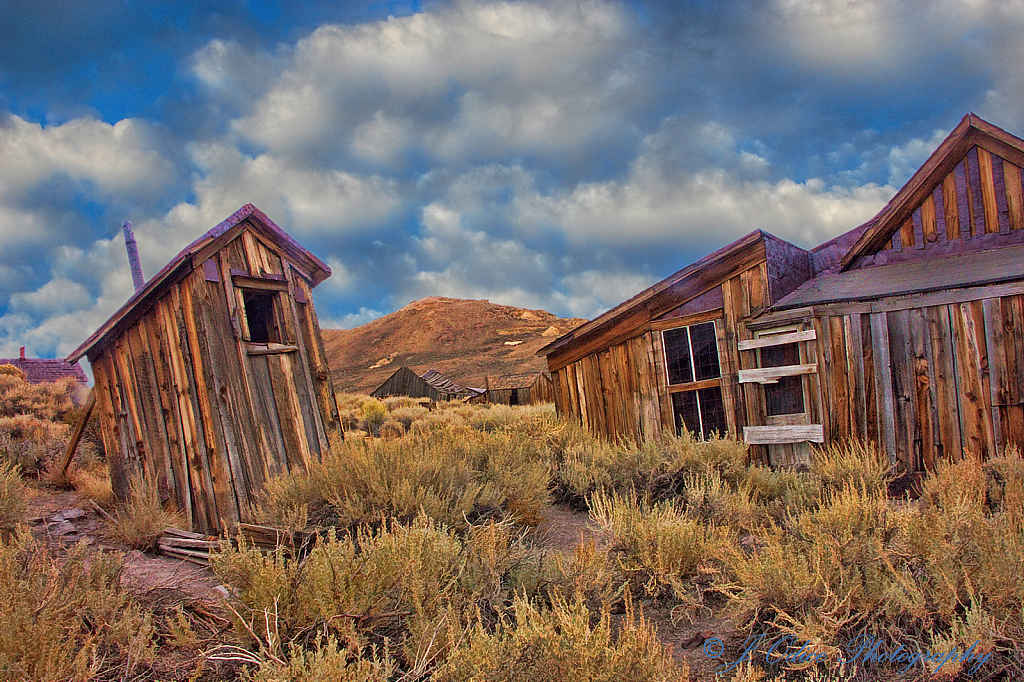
(62, 528)
(70, 514)
(223, 590)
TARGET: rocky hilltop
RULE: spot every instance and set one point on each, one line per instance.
(463, 339)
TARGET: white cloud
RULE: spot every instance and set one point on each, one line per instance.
(352, 319)
(117, 158)
(526, 76)
(306, 198)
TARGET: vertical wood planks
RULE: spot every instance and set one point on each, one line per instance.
(855, 365)
(969, 355)
(924, 379)
(990, 208)
(949, 205)
(1014, 195)
(883, 382)
(947, 396)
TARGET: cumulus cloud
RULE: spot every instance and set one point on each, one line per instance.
(560, 155)
(115, 158)
(469, 80)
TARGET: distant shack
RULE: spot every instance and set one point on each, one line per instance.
(523, 388)
(212, 377)
(432, 384)
(40, 370)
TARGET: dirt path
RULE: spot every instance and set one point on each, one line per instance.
(65, 518)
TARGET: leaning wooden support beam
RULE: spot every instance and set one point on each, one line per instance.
(76, 435)
(778, 435)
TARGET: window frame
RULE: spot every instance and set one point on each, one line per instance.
(695, 386)
(276, 289)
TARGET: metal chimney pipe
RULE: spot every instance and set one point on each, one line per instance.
(133, 255)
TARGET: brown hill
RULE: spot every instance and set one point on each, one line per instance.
(463, 339)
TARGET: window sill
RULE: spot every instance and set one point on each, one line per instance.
(270, 348)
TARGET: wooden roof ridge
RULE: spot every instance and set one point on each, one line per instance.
(608, 317)
(972, 130)
(182, 263)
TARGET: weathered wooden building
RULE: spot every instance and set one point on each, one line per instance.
(523, 388)
(212, 377)
(907, 331)
(433, 385)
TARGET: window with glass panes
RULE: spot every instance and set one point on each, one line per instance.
(694, 378)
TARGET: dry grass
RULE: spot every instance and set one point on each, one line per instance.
(139, 522)
(405, 592)
(561, 643)
(94, 483)
(12, 499)
(933, 575)
(36, 420)
(451, 474)
(69, 619)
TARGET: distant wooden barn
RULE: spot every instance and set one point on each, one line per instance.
(432, 384)
(524, 388)
(907, 331)
(212, 377)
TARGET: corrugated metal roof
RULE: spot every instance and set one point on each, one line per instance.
(38, 370)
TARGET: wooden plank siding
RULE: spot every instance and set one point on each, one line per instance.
(982, 195)
(927, 383)
(186, 406)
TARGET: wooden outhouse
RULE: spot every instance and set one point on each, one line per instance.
(213, 377)
(907, 331)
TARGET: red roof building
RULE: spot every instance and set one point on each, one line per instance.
(38, 370)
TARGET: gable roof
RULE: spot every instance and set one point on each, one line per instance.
(971, 131)
(38, 370)
(192, 256)
(660, 298)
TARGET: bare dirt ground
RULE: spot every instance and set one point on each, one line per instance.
(65, 518)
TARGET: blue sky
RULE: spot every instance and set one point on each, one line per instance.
(557, 155)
